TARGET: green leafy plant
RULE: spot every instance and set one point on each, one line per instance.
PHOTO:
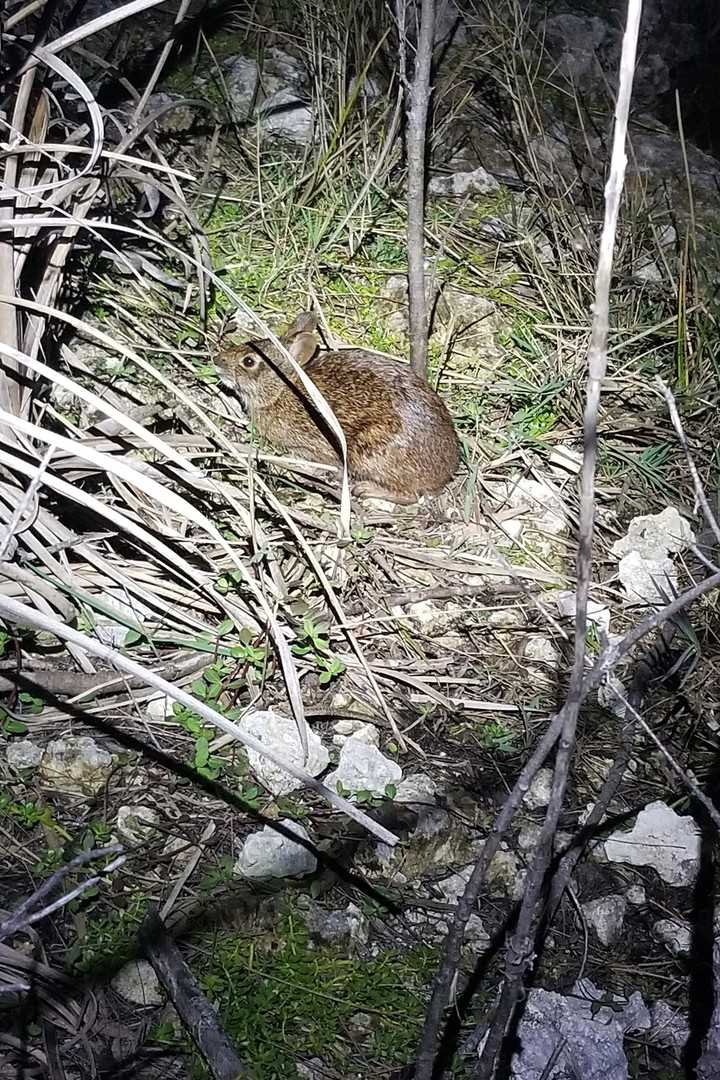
(49, 862)
(496, 736)
(28, 814)
(29, 703)
(312, 640)
(367, 798)
(100, 832)
(209, 688)
(207, 765)
(9, 725)
(106, 939)
(307, 997)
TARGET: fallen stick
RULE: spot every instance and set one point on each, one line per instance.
(193, 1008)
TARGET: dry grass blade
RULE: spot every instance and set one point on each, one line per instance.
(102, 22)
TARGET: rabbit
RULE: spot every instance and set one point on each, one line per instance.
(400, 438)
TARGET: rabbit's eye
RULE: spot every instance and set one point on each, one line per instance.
(249, 361)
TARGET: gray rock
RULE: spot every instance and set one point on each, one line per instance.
(636, 895)
(242, 77)
(76, 765)
(476, 182)
(579, 1042)
(506, 619)
(355, 729)
(659, 156)
(280, 69)
(431, 619)
(649, 272)
(174, 113)
(417, 788)
(314, 1069)
(612, 695)
(647, 581)
(598, 614)
(361, 1024)
(138, 984)
(432, 821)
(284, 116)
(280, 734)
(370, 90)
(269, 854)
(656, 535)
(553, 151)
(539, 648)
(362, 767)
(23, 754)
(342, 701)
(453, 886)
(662, 839)
(674, 933)
(336, 927)
(275, 97)
(543, 512)
(574, 42)
(136, 823)
(506, 875)
(606, 916)
(434, 928)
(474, 319)
(634, 1015)
(159, 707)
(669, 1027)
(646, 571)
(565, 460)
(529, 838)
(538, 794)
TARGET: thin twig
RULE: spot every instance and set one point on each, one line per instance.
(415, 139)
(520, 954)
(25, 914)
(682, 438)
(24, 503)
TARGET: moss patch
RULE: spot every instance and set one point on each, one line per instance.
(281, 1001)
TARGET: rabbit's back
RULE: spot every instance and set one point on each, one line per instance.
(397, 428)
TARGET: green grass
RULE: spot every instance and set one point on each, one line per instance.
(106, 941)
(284, 231)
(281, 1001)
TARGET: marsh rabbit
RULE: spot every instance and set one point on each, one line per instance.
(400, 438)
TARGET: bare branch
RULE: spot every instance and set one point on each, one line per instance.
(682, 437)
(192, 1006)
(420, 94)
(520, 952)
(26, 914)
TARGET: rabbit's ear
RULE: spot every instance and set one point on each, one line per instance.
(304, 323)
(302, 348)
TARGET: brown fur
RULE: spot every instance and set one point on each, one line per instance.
(400, 438)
